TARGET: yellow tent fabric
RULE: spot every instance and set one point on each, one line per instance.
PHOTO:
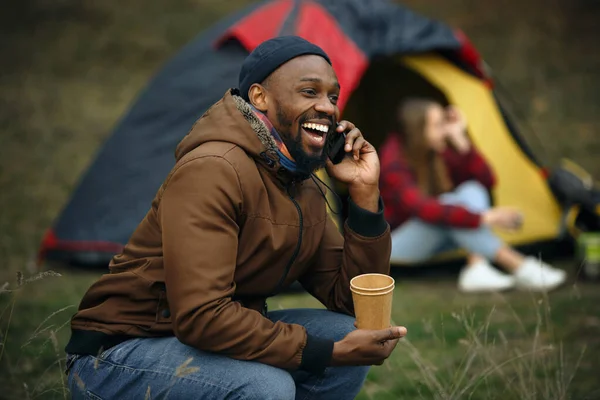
(520, 182)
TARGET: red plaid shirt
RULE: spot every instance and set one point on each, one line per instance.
(403, 199)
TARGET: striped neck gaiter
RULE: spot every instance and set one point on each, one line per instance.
(286, 162)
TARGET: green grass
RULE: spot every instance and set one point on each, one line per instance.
(71, 70)
(512, 346)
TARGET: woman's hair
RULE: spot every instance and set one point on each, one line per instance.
(429, 167)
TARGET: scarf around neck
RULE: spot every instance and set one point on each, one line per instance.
(285, 161)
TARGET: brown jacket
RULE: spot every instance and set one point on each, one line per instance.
(228, 228)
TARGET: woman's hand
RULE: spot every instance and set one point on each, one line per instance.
(503, 217)
(456, 130)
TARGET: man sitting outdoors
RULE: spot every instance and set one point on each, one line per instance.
(239, 218)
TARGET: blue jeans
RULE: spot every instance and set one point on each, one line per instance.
(160, 368)
(416, 240)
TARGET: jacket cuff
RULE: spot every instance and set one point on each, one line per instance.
(366, 223)
(317, 354)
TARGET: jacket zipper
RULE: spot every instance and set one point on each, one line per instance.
(298, 244)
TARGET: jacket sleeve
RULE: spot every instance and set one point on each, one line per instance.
(470, 166)
(199, 210)
(364, 248)
(402, 193)
(479, 169)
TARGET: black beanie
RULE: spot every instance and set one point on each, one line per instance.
(270, 55)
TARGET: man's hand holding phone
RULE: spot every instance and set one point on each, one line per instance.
(359, 168)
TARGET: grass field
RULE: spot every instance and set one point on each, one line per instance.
(511, 346)
(71, 70)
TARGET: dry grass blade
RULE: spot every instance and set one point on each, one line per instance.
(426, 370)
(26, 390)
(48, 339)
(78, 381)
(5, 335)
(516, 370)
(463, 375)
(483, 349)
(576, 366)
(148, 395)
(40, 275)
(19, 278)
(38, 331)
(54, 341)
(96, 363)
(40, 382)
(181, 371)
(36, 334)
(184, 370)
(497, 368)
(512, 310)
(474, 345)
(48, 393)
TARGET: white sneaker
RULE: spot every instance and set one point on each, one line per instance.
(536, 275)
(482, 277)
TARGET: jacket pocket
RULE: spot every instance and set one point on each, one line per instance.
(163, 313)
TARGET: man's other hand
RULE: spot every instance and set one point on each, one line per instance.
(366, 347)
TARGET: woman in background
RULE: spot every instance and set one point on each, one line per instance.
(435, 187)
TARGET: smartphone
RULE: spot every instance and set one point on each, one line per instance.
(336, 151)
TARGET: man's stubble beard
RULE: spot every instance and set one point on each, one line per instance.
(304, 162)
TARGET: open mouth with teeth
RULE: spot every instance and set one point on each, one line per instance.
(316, 133)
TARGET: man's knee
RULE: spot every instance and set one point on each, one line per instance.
(339, 325)
(345, 382)
(323, 323)
(269, 384)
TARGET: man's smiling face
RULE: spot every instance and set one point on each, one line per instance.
(300, 99)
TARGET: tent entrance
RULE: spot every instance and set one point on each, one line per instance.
(386, 83)
(520, 181)
(372, 106)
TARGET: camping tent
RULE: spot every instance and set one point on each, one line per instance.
(380, 51)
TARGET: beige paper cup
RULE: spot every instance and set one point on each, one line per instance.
(372, 295)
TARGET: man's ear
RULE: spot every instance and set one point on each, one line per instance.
(258, 97)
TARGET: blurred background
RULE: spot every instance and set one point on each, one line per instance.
(70, 69)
